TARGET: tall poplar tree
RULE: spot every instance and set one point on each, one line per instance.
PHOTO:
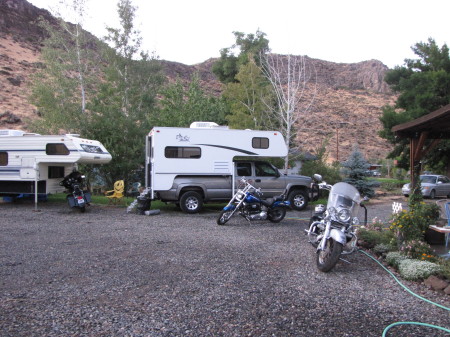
(122, 110)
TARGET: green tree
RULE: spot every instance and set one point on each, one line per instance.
(181, 106)
(355, 169)
(329, 173)
(126, 102)
(247, 98)
(248, 45)
(423, 85)
(61, 89)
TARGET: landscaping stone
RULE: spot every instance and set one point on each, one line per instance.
(436, 283)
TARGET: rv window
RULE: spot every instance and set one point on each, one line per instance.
(260, 143)
(3, 158)
(55, 172)
(91, 148)
(57, 149)
(182, 152)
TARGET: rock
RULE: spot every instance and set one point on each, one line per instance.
(436, 283)
(447, 290)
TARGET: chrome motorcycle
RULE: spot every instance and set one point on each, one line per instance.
(248, 202)
(332, 228)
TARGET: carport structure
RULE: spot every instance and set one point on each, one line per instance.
(434, 126)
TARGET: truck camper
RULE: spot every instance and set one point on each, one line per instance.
(196, 165)
(31, 163)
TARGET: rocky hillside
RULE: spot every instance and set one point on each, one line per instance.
(347, 104)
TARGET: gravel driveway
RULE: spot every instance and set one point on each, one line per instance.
(108, 273)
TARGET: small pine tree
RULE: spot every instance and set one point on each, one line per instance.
(355, 169)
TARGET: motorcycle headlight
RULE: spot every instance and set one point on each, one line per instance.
(355, 221)
(239, 196)
(344, 215)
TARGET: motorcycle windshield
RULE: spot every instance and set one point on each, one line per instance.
(343, 195)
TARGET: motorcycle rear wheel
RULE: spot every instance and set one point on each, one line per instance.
(224, 217)
(326, 259)
(276, 214)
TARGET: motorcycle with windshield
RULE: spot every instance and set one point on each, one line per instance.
(332, 229)
(249, 203)
(76, 197)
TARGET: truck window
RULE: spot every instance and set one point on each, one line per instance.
(3, 158)
(182, 152)
(265, 170)
(56, 149)
(260, 143)
(244, 169)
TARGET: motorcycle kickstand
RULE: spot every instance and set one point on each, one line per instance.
(345, 260)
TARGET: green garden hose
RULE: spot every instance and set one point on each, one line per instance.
(412, 293)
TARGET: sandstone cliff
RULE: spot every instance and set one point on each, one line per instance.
(349, 98)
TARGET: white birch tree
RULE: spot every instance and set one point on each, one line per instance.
(294, 81)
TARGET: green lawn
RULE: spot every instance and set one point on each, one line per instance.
(126, 201)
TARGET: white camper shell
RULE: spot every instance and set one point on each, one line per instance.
(204, 149)
(28, 160)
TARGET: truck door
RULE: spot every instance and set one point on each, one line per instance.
(268, 179)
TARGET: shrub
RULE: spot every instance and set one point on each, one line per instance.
(412, 224)
(382, 248)
(417, 270)
(375, 225)
(394, 258)
(445, 267)
(374, 238)
(419, 250)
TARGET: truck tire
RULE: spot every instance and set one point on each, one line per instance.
(191, 202)
(298, 199)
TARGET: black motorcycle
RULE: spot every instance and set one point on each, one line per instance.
(249, 203)
(77, 197)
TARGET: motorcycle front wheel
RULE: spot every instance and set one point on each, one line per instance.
(224, 217)
(326, 259)
(276, 214)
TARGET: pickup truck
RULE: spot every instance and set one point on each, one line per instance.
(190, 192)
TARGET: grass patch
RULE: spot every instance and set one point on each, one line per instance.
(126, 201)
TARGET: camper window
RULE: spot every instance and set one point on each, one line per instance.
(260, 143)
(3, 158)
(56, 149)
(182, 152)
(55, 172)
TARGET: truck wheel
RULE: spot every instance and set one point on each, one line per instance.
(298, 199)
(191, 202)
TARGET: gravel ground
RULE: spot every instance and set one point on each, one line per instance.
(108, 273)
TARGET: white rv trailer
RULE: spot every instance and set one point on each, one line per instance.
(28, 160)
(204, 149)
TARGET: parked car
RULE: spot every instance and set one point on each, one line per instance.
(376, 173)
(433, 185)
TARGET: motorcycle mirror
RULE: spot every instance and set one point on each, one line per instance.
(317, 177)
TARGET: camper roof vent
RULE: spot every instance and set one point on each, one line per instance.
(206, 125)
(10, 133)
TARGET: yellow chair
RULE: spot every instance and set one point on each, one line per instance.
(116, 194)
